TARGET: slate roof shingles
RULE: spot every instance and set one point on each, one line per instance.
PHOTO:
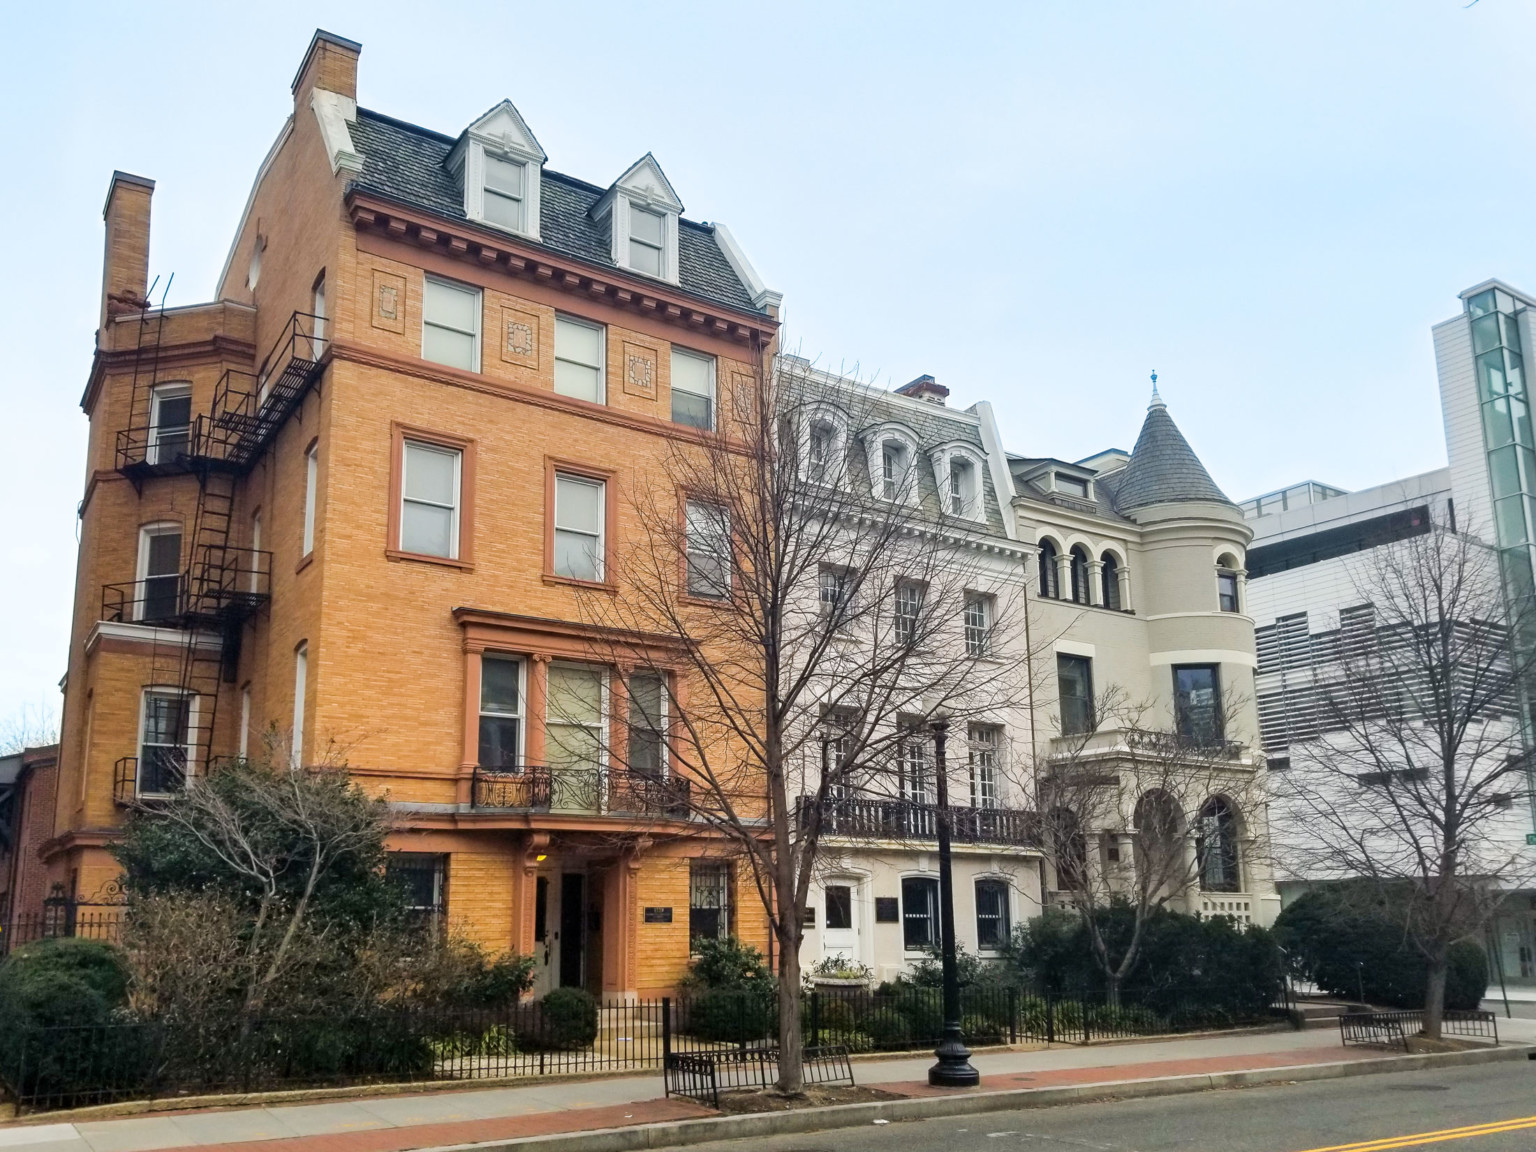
(1163, 468)
(404, 162)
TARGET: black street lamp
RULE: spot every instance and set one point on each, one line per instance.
(954, 1067)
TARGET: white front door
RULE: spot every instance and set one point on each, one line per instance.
(840, 920)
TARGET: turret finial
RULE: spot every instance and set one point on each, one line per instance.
(1157, 401)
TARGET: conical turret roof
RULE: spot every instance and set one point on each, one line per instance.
(1163, 468)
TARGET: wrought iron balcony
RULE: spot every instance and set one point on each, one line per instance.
(561, 790)
(157, 776)
(883, 818)
(1107, 743)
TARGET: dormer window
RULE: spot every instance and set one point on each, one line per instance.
(893, 469)
(962, 486)
(498, 163)
(641, 211)
(647, 240)
(818, 456)
(506, 193)
(1074, 486)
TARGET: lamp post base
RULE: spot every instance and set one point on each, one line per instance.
(954, 1067)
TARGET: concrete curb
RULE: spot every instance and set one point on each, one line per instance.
(676, 1132)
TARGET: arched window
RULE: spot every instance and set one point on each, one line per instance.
(1226, 584)
(1160, 840)
(1110, 576)
(1216, 848)
(1070, 848)
(1050, 587)
(1079, 576)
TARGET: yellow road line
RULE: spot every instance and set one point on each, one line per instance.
(1384, 1143)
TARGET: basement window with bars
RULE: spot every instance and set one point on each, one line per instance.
(709, 901)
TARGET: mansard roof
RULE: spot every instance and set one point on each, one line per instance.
(406, 163)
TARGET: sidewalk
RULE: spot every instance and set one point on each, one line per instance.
(423, 1120)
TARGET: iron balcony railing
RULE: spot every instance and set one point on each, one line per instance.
(581, 791)
(883, 818)
(223, 581)
(160, 773)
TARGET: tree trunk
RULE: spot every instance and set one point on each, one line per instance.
(1112, 990)
(1434, 992)
(791, 1041)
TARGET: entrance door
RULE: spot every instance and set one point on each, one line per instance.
(840, 920)
(573, 929)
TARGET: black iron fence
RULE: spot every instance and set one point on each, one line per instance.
(1395, 1029)
(93, 922)
(48, 1068)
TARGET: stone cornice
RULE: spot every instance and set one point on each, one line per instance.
(505, 253)
(213, 349)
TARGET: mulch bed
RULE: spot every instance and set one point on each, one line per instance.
(738, 1103)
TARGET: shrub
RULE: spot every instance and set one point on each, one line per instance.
(1349, 940)
(888, 1028)
(979, 1029)
(830, 1012)
(924, 1010)
(736, 1015)
(853, 1040)
(64, 981)
(565, 1018)
(725, 962)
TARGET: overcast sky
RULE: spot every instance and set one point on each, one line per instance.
(1038, 203)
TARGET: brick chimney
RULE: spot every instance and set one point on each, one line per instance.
(330, 65)
(925, 388)
(125, 265)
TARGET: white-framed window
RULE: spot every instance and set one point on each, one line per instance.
(165, 741)
(159, 572)
(579, 359)
(647, 240)
(245, 721)
(311, 493)
(709, 550)
(819, 451)
(834, 590)
(254, 576)
(993, 926)
(894, 465)
(914, 767)
(962, 486)
(978, 624)
(501, 711)
(574, 725)
(693, 389)
(984, 742)
(908, 610)
(170, 422)
(647, 724)
(450, 324)
(919, 912)
(300, 688)
(579, 520)
(430, 485)
(506, 193)
(317, 342)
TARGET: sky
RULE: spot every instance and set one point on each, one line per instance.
(1268, 202)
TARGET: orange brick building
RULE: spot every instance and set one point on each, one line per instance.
(364, 499)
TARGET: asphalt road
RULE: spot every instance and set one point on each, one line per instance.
(1383, 1112)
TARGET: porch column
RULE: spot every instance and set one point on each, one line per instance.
(538, 695)
(620, 912)
(471, 753)
(525, 891)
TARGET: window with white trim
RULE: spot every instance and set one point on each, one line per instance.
(984, 742)
(835, 589)
(501, 711)
(450, 324)
(693, 389)
(317, 339)
(165, 743)
(579, 514)
(311, 491)
(992, 921)
(709, 550)
(978, 624)
(300, 688)
(962, 486)
(919, 912)
(819, 451)
(647, 724)
(579, 359)
(159, 576)
(245, 721)
(430, 484)
(574, 720)
(254, 576)
(506, 193)
(647, 240)
(894, 465)
(908, 610)
(170, 422)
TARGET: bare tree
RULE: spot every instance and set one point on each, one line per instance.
(1136, 817)
(1419, 780)
(808, 605)
(32, 725)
